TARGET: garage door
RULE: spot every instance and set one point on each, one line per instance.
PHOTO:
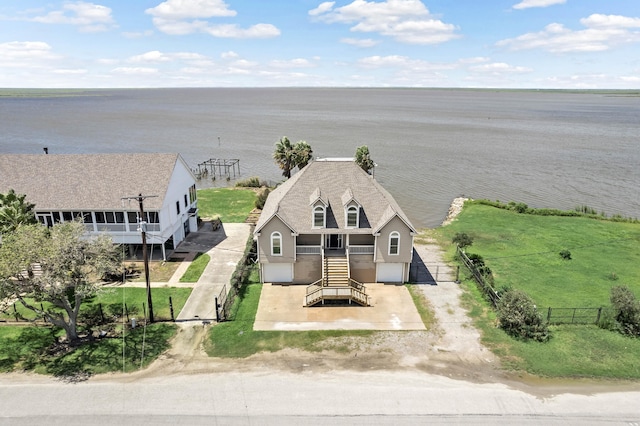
(390, 272)
(277, 273)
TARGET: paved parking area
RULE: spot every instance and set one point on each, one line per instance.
(281, 308)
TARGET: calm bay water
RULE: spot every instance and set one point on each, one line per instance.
(546, 149)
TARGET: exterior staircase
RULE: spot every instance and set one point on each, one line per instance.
(336, 271)
(336, 284)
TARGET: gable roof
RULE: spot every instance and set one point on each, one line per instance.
(88, 181)
(337, 180)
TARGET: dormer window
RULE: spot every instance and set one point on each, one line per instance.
(352, 216)
(319, 217)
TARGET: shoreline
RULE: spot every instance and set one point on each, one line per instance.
(454, 210)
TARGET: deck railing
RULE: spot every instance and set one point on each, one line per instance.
(308, 250)
(360, 249)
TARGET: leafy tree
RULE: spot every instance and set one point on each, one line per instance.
(462, 239)
(288, 156)
(55, 265)
(520, 318)
(627, 310)
(303, 153)
(363, 159)
(15, 211)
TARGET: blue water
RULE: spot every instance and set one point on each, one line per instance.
(546, 149)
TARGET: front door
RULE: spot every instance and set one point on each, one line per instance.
(333, 241)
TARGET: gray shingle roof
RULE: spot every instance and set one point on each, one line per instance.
(87, 181)
(338, 180)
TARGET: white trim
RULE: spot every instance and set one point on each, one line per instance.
(324, 217)
(392, 235)
(276, 236)
(346, 216)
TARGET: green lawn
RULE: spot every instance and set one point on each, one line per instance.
(237, 339)
(196, 268)
(29, 348)
(573, 350)
(231, 205)
(522, 250)
(112, 301)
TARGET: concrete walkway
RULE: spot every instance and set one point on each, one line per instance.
(225, 246)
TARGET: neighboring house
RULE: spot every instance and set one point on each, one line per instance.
(65, 187)
(328, 213)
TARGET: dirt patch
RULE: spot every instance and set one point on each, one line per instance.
(452, 349)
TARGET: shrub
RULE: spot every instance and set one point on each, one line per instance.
(520, 318)
(261, 198)
(252, 182)
(627, 310)
(462, 239)
(565, 254)
(479, 264)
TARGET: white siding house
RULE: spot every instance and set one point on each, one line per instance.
(96, 187)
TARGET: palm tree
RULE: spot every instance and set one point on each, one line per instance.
(303, 153)
(285, 156)
(363, 159)
(15, 211)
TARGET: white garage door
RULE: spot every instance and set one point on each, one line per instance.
(389, 273)
(277, 273)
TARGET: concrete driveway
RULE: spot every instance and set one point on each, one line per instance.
(281, 308)
(225, 246)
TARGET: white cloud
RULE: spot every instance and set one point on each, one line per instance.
(88, 17)
(499, 68)
(322, 8)
(233, 31)
(360, 42)
(602, 33)
(181, 17)
(407, 21)
(526, 4)
(135, 70)
(78, 71)
(229, 55)
(25, 54)
(141, 34)
(181, 9)
(293, 63)
(154, 56)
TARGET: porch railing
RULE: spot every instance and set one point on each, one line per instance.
(308, 250)
(360, 249)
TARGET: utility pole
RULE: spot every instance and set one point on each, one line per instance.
(143, 230)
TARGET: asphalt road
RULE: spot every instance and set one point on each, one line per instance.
(308, 397)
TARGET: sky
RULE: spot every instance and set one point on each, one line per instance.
(557, 44)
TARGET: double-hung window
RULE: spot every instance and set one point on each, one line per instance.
(276, 244)
(394, 243)
(319, 217)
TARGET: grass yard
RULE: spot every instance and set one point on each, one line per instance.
(237, 339)
(30, 348)
(111, 300)
(135, 298)
(523, 250)
(231, 205)
(576, 351)
(196, 268)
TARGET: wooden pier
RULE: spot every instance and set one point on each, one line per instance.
(218, 167)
